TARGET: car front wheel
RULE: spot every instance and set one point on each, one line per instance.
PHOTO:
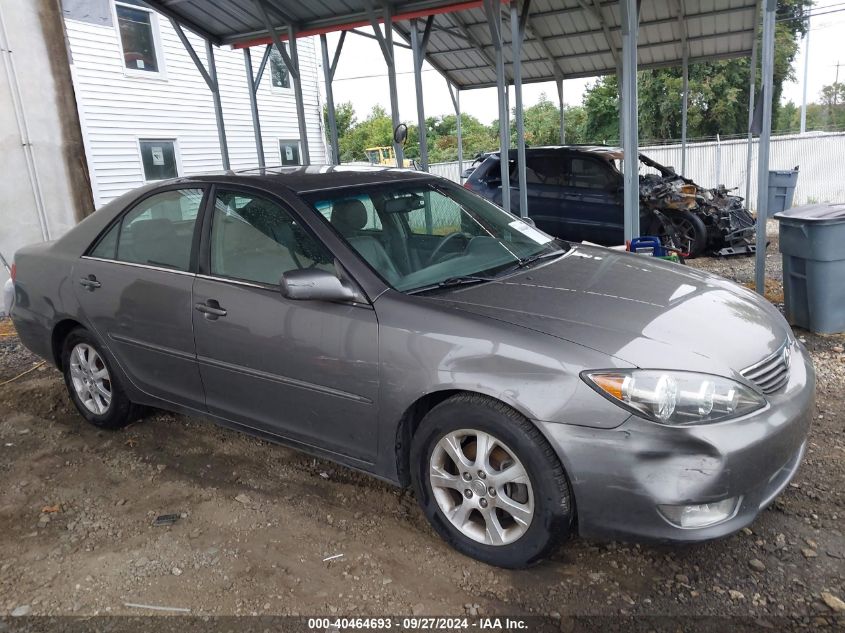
(489, 483)
(92, 385)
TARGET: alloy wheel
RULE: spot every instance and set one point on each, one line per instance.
(90, 378)
(481, 487)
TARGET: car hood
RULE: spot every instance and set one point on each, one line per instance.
(639, 309)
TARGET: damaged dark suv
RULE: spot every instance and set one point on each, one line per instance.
(575, 193)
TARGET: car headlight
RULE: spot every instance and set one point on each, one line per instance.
(675, 397)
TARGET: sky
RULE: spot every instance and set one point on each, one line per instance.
(361, 75)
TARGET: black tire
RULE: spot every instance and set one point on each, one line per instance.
(553, 505)
(120, 410)
(688, 229)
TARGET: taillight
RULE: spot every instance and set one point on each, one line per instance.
(466, 185)
(13, 271)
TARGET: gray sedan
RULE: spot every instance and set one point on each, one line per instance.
(401, 325)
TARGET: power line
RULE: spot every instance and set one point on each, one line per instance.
(806, 16)
(404, 72)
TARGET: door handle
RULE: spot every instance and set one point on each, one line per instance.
(89, 283)
(211, 309)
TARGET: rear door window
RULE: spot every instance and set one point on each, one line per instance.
(158, 231)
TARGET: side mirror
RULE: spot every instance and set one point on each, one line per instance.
(313, 284)
(400, 134)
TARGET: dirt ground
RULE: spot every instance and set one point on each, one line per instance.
(257, 523)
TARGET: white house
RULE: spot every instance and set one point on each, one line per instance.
(146, 113)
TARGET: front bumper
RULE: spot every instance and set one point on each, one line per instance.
(619, 476)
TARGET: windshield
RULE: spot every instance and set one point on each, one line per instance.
(423, 235)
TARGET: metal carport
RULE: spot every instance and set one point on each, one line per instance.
(468, 43)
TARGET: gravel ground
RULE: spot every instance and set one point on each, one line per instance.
(258, 521)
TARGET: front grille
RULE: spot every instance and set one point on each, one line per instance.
(771, 373)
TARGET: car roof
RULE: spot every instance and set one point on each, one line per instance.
(309, 178)
(607, 152)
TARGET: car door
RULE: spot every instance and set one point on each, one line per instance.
(303, 370)
(134, 287)
(549, 205)
(599, 216)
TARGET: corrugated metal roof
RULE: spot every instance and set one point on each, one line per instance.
(564, 38)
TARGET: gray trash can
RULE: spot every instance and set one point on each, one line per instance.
(781, 190)
(812, 243)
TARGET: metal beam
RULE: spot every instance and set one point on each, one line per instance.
(274, 36)
(370, 36)
(682, 25)
(630, 148)
(752, 91)
(418, 46)
(218, 106)
(478, 46)
(557, 69)
(559, 83)
(492, 9)
(518, 21)
(804, 81)
(596, 11)
(253, 107)
(385, 41)
(600, 73)
(456, 102)
(263, 65)
(328, 75)
(300, 101)
(292, 63)
(767, 72)
(210, 77)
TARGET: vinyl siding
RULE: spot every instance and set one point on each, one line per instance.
(119, 107)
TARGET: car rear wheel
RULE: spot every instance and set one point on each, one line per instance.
(489, 483)
(92, 385)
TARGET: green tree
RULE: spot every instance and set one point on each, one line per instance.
(718, 91)
(344, 116)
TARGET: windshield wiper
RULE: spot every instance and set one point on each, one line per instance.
(526, 261)
(459, 280)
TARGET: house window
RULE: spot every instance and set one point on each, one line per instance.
(159, 159)
(137, 25)
(279, 74)
(290, 152)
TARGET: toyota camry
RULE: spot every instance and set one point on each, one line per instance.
(525, 387)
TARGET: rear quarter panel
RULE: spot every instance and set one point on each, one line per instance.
(43, 296)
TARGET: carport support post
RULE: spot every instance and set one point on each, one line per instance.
(300, 103)
(767, 72)
(492, 9)
(684, 108)
(292, 63)
(560, 105)
(752, 91)
(456, 101)
(328, 74)
(210, 77)
(630, 24)
(252, 84)
(419, 46)
(517, 34)
(385, 41)
(218, 106)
